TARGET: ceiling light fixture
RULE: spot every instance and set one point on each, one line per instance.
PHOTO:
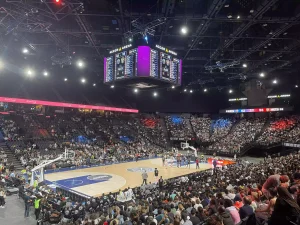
(296, 86)
(112, 86)
(205, 90)
(83, 80)
(262, 75)
(173, 87)
(155, 94)
(245, 65)
(66, 79)
(45, 73)
(136, 90)
(184, 30)
(275, 81)
(230, 91)
(80, 64)
(94, 85)
(25, 50)
(191, 91)
(185, 90)
(238, 17)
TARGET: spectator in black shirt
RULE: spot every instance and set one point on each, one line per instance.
(246, 210)
(194, 219)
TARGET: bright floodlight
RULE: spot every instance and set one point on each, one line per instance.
(173, 87)
(238, 17)
(275, 81)
(45, 73)
(184, 30)
(112, 86)
(230, 91)
(25, 50)
(191, 91)
(155, 94)
(80, 64)
(205, 90)
(29, 72)
(94, 85)
(185, 90)
(66, 79)
(130, 39)
(83, 80)
(136, 90)
(245, 65)
(296, 86)
(262, 75)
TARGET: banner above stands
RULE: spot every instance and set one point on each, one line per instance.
(65, 105)
(256, 110)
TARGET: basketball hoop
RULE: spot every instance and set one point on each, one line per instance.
(184, 145)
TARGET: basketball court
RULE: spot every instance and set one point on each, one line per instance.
(94, 181)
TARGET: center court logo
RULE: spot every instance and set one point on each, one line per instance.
(100, 177)
(141, 169)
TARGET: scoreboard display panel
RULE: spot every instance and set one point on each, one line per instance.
(159, 63)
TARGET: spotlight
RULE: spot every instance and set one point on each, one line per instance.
(80, 64)
(275, 81)
(136, 90)
(185, 90)
(57, 1)
(205, 90)
(25, 50)
(191, 91)
(238, 17)
(112, 86)
(94, 85)
(146, 38)
(296, 86)
(83, 80)
(45, 73)
(184, 30)
(230, 91)
(173, 87)
(155, 94)
(262, 75)
(130, 39)
(245, 65)
(66, 79)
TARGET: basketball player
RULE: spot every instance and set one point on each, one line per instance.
(163, 160)
(156, 174)
(197, 164)
(145, 177)
(188, 162)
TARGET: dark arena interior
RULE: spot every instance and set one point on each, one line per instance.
(150, 112)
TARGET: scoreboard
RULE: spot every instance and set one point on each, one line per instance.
(159, 63)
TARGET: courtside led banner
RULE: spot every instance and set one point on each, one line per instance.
(66, 105)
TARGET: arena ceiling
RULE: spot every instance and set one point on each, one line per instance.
(262, 34)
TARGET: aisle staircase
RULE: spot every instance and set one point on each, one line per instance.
(11, 156)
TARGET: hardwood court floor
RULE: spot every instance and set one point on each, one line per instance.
(95, 181)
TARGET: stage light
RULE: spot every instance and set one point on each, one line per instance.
(230, 91)
(245, 65)
(80, 63)
(112, 86)
(94, 85)
(262, 75)
(83, 80)
(275, 81)
(205, 90)
(136, 90)
(184, 30)
(185, 90)
(191, 91)
(66, 79)
(173, 87)
(155, 94)
(25, 50)
(57, 1)
(45, 73)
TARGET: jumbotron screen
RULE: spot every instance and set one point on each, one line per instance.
(158, 63)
